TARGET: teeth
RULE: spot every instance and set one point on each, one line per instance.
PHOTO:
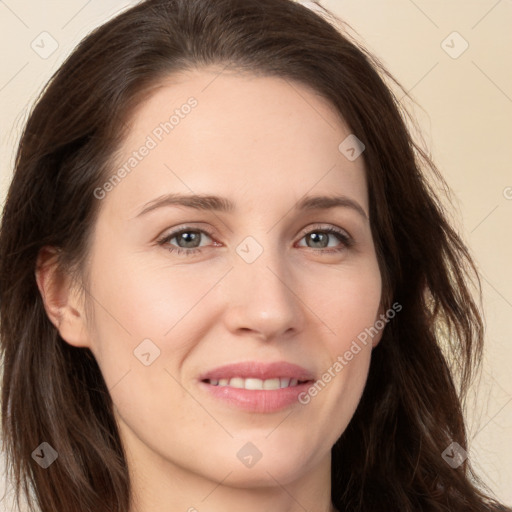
(236, 382)
(271, 383)
(255, 384)
(285, 382)
(252, 383)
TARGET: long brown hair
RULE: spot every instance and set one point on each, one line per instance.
(390, 456)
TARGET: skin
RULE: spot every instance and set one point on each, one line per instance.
(263, 143)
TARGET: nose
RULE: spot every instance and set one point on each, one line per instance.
(263, 297)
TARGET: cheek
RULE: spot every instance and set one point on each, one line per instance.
(348, 305)
(133, 303)
(137, 300)
(336, 393)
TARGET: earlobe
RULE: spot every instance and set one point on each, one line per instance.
(61, 298)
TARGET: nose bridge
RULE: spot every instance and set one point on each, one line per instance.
(261, 297)
(261, 264)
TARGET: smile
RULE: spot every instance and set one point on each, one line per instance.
(255, 384)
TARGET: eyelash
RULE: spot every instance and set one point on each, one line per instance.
(347, 241)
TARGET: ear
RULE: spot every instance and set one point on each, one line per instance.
(61, 298)
(379, 318)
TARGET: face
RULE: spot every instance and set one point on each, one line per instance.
(181, 290)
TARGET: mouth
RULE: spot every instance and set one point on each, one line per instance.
(257, 387)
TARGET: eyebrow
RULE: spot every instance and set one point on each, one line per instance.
(223, 204)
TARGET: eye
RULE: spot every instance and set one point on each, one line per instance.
(320, 236)
(188, 240)
(188, 237)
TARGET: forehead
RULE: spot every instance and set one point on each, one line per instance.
(213, 131)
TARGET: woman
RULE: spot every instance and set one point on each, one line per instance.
(226, 283)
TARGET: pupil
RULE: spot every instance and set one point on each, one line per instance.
(316, 237)
(189, 236)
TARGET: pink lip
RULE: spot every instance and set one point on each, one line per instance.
(258, 370)
(261, 401)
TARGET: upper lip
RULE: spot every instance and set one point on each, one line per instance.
(258, 370)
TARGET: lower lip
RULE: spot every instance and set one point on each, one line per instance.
(257, 400)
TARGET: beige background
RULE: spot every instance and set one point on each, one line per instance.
(465, 115)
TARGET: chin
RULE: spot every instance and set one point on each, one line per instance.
(262, 468)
